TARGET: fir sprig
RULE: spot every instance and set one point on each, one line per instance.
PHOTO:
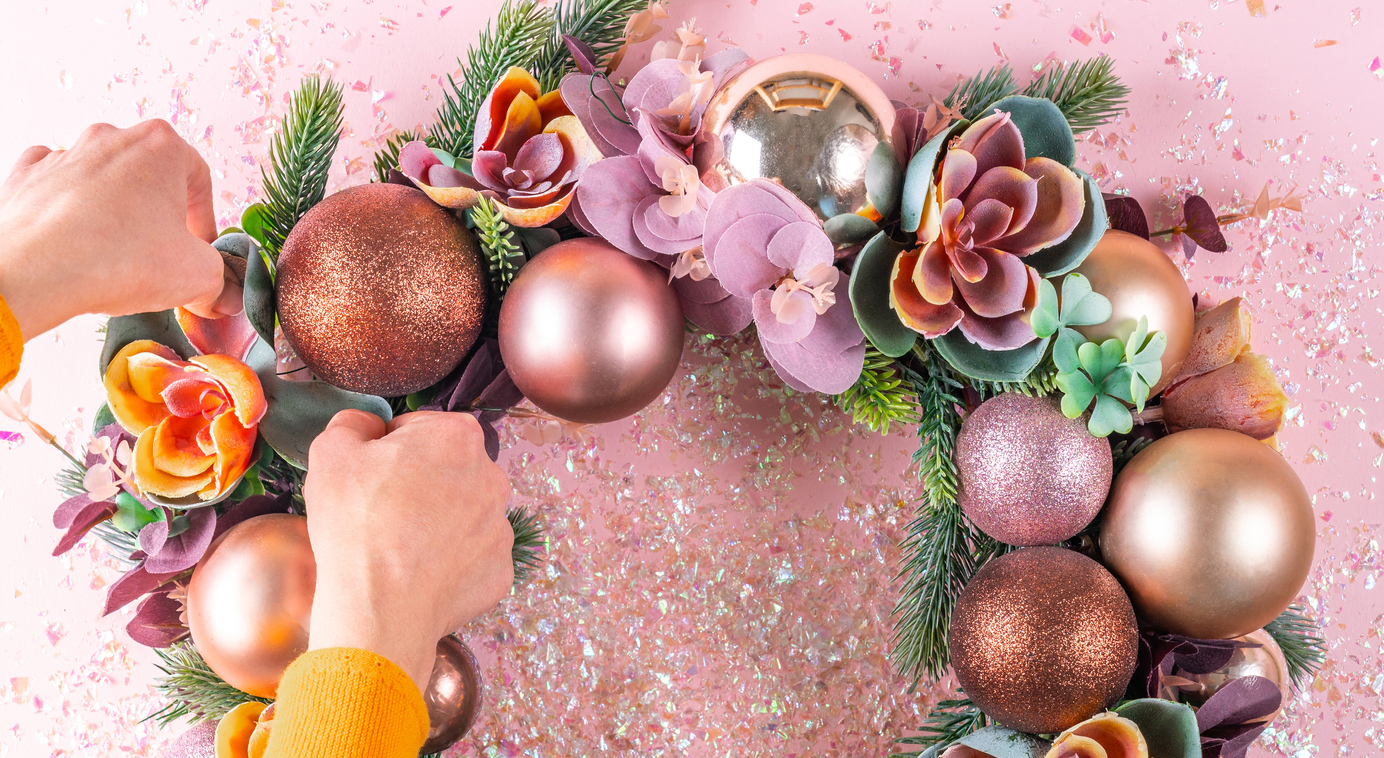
(300, 155)
(529, 543)
(879, 398)
(1124, 451)
(1088, 93)
(974, 95)
(598, 23)
(192, 689)
(1299, 637)
(387, 158)
(949, 721)
(500, 244)
(519, 33)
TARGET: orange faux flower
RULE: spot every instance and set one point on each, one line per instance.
(195, 420)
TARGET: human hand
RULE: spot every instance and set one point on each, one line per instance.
(119, 223)
(408, 527)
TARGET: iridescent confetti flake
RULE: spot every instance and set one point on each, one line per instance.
(1081, 35)
(11, 440)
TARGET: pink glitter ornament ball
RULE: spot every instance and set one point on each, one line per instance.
(1029, 475)
(197, 742)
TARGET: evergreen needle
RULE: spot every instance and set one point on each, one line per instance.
(1299, 637)
(879, 398)
(192, 689)
(1088, 93)
(949, 721)
(499, 243)
(598, 23)
(300, 155)
(529, 543)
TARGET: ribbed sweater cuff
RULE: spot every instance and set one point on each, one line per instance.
(11, 344)
(347, 703)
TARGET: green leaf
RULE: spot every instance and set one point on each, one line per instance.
(253, 220)
(869, 293)
(131, 515)
(103, 418)
(1145, 353)
(883, 177)
(1110, 415)
(849, 229)
(1064, 351)
(990, 365)
(259, 300)
(1118, 384)
(1077, 393)
(1169, 728)
(1100, 360)
(1088, 93)
(161, 327)
(917, 179)
(1056, 260)
(1080, 305)
(1003, 742)
(249, 486)
(1045, 130)
(1045, 319)
(447, 158)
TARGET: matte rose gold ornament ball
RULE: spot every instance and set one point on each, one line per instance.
(1211, 532)
(590, 334)
(1140, 280)
(453, 695)
(1030, 475)
(380, 290)
(1042, 639)
(250, 601)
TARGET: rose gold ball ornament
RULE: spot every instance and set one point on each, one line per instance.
(1030, 475)
(1042, 639)
(809, 122)
(250, 601)
(453, 695)
(199, 741)
(1140, 280)
(1210, 531)
(590, 334)
(380, 290)
(1266, 660)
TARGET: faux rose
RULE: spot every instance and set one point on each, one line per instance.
(1105, 735)
(530, 152)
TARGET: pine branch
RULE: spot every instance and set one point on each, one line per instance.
(975, 95)
(942, 550)
(949, 721)
(1299, 637)
(1124, 451)
(1043, 381)
(529, 543)
(387, 159)
(300, 155)
(598, 23)
(499, 243)
(1088, 93)
(517, 37)
(879, 397)
(193, 690)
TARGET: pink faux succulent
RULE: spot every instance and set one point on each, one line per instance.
(763, 244)
(986, 211)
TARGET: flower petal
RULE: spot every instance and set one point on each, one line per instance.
(154, 481)
(1219, 335)
(593, 101)
(415, 158)
(1002, 290)
(929, 319)
(1061, 201)
(492, 117)
(995, 141)
(134, 412)
(194, 396)
(958, 171)
(773, 330)
(176, 450)
(989, 219)
(1001, 333)
(1243, 396)
(541, 155)
(724, 317)
(836, 331)
(231, 335)
(610, 191)
(1011, 187)
(828, 374)
(234, 446)
(933, 275)
(741, 264)
(241, 383)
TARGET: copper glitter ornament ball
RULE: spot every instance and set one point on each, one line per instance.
(250, 601)
(1029, 475)
(1042, 639)
(453, 695)
(590, 334)
(1140, 280)
(1211, 532)
(809, 122)
(199, 741)
(380, 290)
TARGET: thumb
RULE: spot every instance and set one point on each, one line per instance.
(352, 425)
(215, 289)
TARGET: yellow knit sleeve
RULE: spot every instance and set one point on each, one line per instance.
(11, 344)
(347, 703)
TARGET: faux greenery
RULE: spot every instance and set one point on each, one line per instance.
(1088, 92)
(388, 157)
(192, 689)
(1110, 374)
(500, 244)
(974, 96)
(1042, 381)
(1300, 639)
(598, 23)
(879, 398)
(1124, 451)
(949, 721)
(300, 154)
(529, 543)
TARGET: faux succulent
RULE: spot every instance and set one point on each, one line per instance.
(1110, 374)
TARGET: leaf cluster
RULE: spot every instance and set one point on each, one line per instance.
(1299, 637)
(300, 154)
(879, 398)
(1110, 374)
(947, 722)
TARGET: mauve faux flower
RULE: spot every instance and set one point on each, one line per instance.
(989, 209)
(764, 244)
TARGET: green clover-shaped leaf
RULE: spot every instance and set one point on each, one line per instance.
(1046, 318)
(1144, 354)
(1089, 372)
(1078, 392)
(1109, 416)
(1099, 360)
(1082, 306)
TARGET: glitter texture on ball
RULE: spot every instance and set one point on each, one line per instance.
(380, 290)
(1029, 475)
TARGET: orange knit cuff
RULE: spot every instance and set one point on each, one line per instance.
(11, 344)
(347, 703)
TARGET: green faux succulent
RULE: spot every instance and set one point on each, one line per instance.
(1112, 374)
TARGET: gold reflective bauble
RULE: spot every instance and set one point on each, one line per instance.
(1266, 660)
(1210, 532)
(453, 695)
(250, 601)
(1140, 280)
(808, 122)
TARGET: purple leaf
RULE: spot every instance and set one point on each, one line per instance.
(153, 536)
(156, 623)
(724, 317)
(83, 522)
(70, 508)
(502, 392)
(135, 583)
(182, 551)
(1245, 699)
(1126, 215)
(1199, 220)
(582, 54)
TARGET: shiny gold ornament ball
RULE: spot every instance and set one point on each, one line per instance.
(380, 290)
(249, 603)
(590, 334)
(1042, 639)
(809, 122)
(1140, 280)
(1211, 532)
(453, 695)
(1266, 661)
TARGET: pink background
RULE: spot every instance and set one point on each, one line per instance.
(721, 565)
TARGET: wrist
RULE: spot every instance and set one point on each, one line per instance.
(349, 619)
(36, 304)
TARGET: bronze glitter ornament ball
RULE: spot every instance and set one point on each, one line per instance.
(1211, 532)
(590, 334)
(809, 122)
(1140, 280)
(199, 741)
(453, 695)
(1030, 475)
(1042, 639)
(250, 601)
(380, 290)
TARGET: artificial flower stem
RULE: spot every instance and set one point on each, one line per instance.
(1152, 414)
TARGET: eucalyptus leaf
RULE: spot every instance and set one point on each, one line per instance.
(1169, 728)
(299, 411)
(1003, 742)
(161, 327)
(869, 293)
(259, 295)
(1056, 260)
(1044, 128)
(849, 229)
(990, 365)
(883, 177)
(917, 181)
